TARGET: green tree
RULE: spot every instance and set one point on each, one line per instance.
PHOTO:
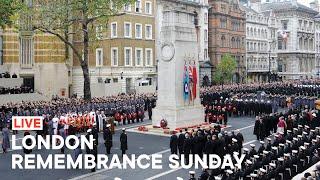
(225, 69)
(77, 19)
(8, 11)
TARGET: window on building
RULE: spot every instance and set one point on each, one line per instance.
(205, 54)
(127, 7)
(114, 56)
(138, 31)
(139, 57)
(284, 24)
(233, 42)
(127, 30)
(114, 32)
(206, 35)
(148, 31)
(149, 57)
(223, 23)
(206, 18)
(223, 8)
(138, 5)
(99, 31)
(26, 52)
(99, 57)
(223, 41)
(128, 56)
(148, 7)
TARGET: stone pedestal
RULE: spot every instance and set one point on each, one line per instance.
(177, 45)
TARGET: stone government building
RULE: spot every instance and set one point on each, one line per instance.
(296, 54)
(227, 34)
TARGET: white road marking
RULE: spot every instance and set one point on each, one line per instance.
(250, 142)
(163, 174)
(247, 127)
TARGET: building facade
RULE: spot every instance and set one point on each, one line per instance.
(123, 51)
(40, 59)
(204, 60)
(296, 38)
(261, 55)
(227, 34)
(317, 45)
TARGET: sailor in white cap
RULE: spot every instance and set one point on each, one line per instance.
(262, 173)
(253, 150)
(269, 145)
(253, 176)
(261, 148)
(192, 175)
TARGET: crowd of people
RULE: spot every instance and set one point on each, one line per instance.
(295, 147)
(8, 75)
(124, 108)
(16, 90)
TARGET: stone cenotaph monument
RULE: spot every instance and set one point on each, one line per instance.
(177, 48)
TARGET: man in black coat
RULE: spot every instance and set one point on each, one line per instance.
(94, 152)
(174, 144)
(107, 136)
(95, 133)
(123, 141)
(181, 139)
(187, 147)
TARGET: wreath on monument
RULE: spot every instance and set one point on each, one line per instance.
(163, 123)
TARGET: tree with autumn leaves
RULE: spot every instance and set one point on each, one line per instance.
(225, 69)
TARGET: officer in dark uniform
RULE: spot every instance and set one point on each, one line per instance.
(174, 144)
(269, 145)
(187, 147)
(261, 148)
(123, 141)
(107, 136)
(272, 171)
(252, 151)
(181, 139)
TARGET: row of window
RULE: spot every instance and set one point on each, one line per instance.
(257, 18)
(257, 46)
(257, 32)
(306, 44)
(127, 33)
(138, 7)
(143, 57)
(305, 25)
(236, 25)
(235, 42)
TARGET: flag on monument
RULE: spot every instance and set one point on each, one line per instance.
(186, 83)
(191, 82)
(195, 81)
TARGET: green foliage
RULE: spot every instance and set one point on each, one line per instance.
(225, 69)
(9, 11)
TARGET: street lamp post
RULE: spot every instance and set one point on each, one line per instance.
(269, 72)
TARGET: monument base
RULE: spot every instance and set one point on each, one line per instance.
(178, 117)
